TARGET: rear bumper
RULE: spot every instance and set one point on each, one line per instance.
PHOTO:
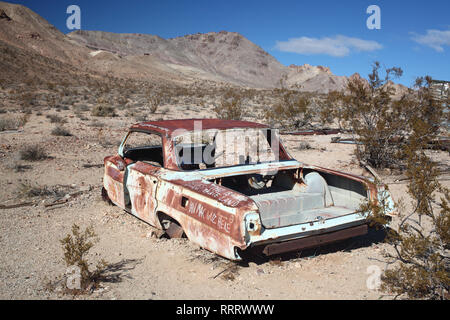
(307, 229)
(314, 241)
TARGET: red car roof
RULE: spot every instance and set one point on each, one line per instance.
(169, 126)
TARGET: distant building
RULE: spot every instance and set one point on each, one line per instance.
(441, 90)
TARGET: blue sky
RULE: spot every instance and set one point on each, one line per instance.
(414, 35)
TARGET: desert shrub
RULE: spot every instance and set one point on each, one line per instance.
(291, 112)
(419, 262)
(12, 122)
(61, 131)
(384, 126)
(60, 107)
(332, 109)
(76, 248)
(27, 100)
(55, 118)
(102, 110)
(154, 100)
(33, 153)
(230, 106)
(304, 146)
(29, 190)
(369, 116)
(420, 259)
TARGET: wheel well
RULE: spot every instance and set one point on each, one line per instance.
(170, 225)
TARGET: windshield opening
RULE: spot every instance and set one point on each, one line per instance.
(224, 148)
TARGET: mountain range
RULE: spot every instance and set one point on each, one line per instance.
(222, 57)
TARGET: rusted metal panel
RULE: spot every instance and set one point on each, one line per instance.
(142, 184)
(204, 224)
(314, 241)
(170, 160)
(168, 127)
(216, 192)
(220, 215)
(113, 181)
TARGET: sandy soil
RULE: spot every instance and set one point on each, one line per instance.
(145, 267)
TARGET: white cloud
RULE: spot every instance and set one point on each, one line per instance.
(338, 46)
(435, 39)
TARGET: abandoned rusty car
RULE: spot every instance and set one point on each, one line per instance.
(230, 185)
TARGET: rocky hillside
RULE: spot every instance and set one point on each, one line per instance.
(314, 78)
(222, 57)
(22, 28)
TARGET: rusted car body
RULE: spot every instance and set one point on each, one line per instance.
(231, 185)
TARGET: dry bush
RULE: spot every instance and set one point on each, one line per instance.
(76, 248)
(420, 259)
(332, 109)
(61, 131)
(154, 101)
(12, 122)
(27, 100)
(304, 146)
(291, 112)
(230, 106)
(29, 190)
(102, 110)
(55, 118)
(370, 117)
(33, 153)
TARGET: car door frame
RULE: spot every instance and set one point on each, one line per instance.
(143, 183)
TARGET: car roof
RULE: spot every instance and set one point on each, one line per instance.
(170, 127)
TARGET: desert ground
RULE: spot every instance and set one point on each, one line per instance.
(142, 266)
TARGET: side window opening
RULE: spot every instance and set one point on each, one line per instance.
(145, 147)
